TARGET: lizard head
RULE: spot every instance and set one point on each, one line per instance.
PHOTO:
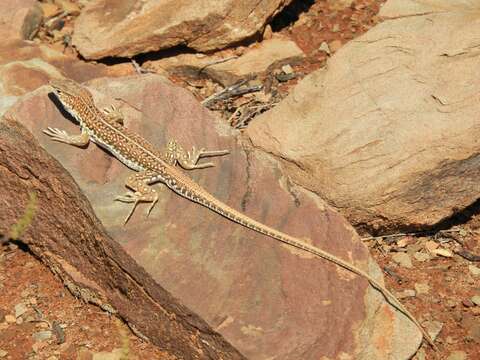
(69, 92)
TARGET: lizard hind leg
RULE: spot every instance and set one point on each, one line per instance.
(142, 192)
(189, 159)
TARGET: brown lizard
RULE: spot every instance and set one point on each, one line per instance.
(106, 129)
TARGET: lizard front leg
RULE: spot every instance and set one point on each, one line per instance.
(62, 136)
(188, 160)
(142, 192)
(113, 114)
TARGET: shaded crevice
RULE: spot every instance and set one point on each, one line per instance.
(290, 14)
(459, 217)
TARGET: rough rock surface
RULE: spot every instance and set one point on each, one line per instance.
(230, 69)
(263, 297)
(126, 28)
(398, 8)
(20, 18)
(66, 235)
(388, 132)
(25, 66)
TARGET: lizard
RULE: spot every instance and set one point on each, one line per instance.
(105, 128)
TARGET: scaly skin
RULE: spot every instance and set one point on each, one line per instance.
(106, 129)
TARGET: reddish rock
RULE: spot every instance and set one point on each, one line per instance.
(125, 28)
(25, 66)
(265, 298)
(67, 237)
(20, 18)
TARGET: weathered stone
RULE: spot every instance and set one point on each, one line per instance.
(402, 259)
(25, 66)
(457, 355)
(20, 309)
(380, 135)
(256, 59)
(422, 288)
(419, 256)
(265, 298)
(138, 27)
(20, 18)
(475, 299)
(433, 328)
(442, 252)
(66, 235)
(399, 8)
(10, 319)
(42, 335)
(474, 270)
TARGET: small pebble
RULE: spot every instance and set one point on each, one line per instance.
(457, 355)
(419, 256)
(287, 69)
(407, 293)
(433, 328)
(474, 270)
(476, 300)
(42, 335)
(468, 303)
(431, 245)
(402, 259)
(442, 252)
(422, 288)
(20, 309)
(10, 319)
(3, 353)
(324, 47)
(450, 303)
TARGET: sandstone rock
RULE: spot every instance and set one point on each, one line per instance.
(398, 8)
(422, 288)
(66, 235)
(457, 355)
(256, 59)
(402, 259)
(474, 270)
(263, 297)
(20, 18)
(25, 66)
(381, 133)
(433, 328)
(122, 28)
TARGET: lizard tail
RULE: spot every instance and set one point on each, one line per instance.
(207, 200)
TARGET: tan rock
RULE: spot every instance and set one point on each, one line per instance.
(123, 28)
(442, 252)
(25, 66)
(383, 135)
(216, 267)
(398, 8)
(20, 18)
(49, 9)
(228, 68)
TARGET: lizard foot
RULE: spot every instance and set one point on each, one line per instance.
(137, 198)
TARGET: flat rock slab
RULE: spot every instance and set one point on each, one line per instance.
(25, 66)
(255, 59)
(20, 18)
(65, 235)
(126, 28)
(266, 299)
(388, 132)
(400, 8)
